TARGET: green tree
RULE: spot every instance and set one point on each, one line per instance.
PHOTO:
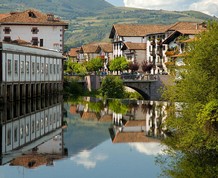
(74, 67)
(112, 87)
(192, 123)
(94, 64)
(118, 64)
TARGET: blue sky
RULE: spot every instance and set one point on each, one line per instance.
(206, 6)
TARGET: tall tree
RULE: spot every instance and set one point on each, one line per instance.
(195, 124)
(118, 64)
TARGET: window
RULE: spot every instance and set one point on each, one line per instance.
(21, 132)
(58, 69)
(37, 67)
(42, 68)
(35, 30)
(46, 121)
(22, 66)
(33, 126)
(33, 68)
(9, 137)
(16, 67)
(35, 41)
(7, 39)
(50, 68)
(15, 134)
(41, 42)
(27, 67)
(7, 30)
(9, 66)
(42, 124)
(37, 125)
(27, 129)
(46, 68)
(54, 68)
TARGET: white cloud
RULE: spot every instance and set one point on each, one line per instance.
(156, 4)
(206, 6)
(88, 159)
(148, 148)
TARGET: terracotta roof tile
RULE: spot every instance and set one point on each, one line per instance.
(2, 16)
(73, 52)
(137, 29)
(127, 137)
(134, 46)
(132, 123)
(96, 46)
(31, 17)
(186, 26)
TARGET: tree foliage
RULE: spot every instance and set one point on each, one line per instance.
(133, 66)
(192, 123)
(94, 64)
(118, 64)
(112, 87)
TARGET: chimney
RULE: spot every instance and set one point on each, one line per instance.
(50, 17)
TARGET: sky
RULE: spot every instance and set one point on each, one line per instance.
(209, 7)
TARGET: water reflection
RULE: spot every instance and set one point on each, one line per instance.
(31, 132)
(131, 120)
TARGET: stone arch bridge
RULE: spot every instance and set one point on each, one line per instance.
(149, 86)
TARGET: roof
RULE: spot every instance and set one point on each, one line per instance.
(134, 46)
(96, 47)
(32, 161)
(132, 123)
(187, 26)
(73, 52)
(126, 137)
(31, 16)
(90, 48)
(2, 16)
(106, 47)
(177, 33)
(137, 30)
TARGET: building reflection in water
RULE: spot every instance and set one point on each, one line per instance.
(132, 120)
(31, 132)
(142, 123)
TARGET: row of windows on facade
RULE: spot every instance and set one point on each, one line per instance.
(35, 66)
(34, 127)
(35, 41)
(34, 30)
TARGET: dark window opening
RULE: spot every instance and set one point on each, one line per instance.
(35, 41)
(7, 30)
(41, 42)
(35, 30)
(7, 39)
(32, 15)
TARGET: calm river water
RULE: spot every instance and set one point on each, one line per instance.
(103, 139)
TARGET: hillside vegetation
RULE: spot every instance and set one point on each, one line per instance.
(92, 20)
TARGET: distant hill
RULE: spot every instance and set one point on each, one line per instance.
(91, 20)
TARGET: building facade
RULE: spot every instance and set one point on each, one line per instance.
(27, 72)
(43, 30)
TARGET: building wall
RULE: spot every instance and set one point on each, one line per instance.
(52, 36)
(27, 72)
(26, 129)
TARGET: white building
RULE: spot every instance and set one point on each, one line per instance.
(25, 129)
(43, 30)
(31, 61)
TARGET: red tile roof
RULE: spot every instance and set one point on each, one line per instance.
(73, 52)
(31, 17)
(137, 30)
(186, 26)
(2, 16)
(134, 46)
(127, 137)
(95, 47)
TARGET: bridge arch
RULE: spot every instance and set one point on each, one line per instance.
(141, 92)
